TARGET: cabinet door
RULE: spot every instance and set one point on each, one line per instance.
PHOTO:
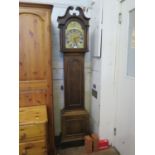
(34, 56)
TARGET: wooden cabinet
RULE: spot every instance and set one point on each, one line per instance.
(35, 61)
(33, 130)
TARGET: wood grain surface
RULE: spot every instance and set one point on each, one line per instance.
(35, 85)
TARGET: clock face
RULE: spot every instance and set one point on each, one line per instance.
(74, 35)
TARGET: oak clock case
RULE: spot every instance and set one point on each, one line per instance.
(74, 44)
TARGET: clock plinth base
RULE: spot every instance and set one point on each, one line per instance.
(74, 125)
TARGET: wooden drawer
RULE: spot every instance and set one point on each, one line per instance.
(33, 148)
(32, 115)
(33, 122)
(32, 132)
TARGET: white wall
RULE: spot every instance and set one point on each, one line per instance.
(59, 9)
(103, 69)
(95, 68)
(116, 94)
(61, 2)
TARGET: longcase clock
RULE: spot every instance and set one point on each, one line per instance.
(74, 44)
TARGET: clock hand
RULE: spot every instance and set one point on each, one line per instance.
(75, 41)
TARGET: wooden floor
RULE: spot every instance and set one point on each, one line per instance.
(80, 151)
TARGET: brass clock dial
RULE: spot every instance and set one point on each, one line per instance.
(74, 35)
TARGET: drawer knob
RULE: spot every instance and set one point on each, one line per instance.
(29, 146)
(23, 136)
(24, 152)
(37, 117)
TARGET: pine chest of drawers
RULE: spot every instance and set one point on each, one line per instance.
(33, 130)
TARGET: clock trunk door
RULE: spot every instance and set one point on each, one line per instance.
(74, 81)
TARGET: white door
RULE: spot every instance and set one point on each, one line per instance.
(124, 139)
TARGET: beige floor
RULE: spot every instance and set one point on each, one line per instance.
(80, 151)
